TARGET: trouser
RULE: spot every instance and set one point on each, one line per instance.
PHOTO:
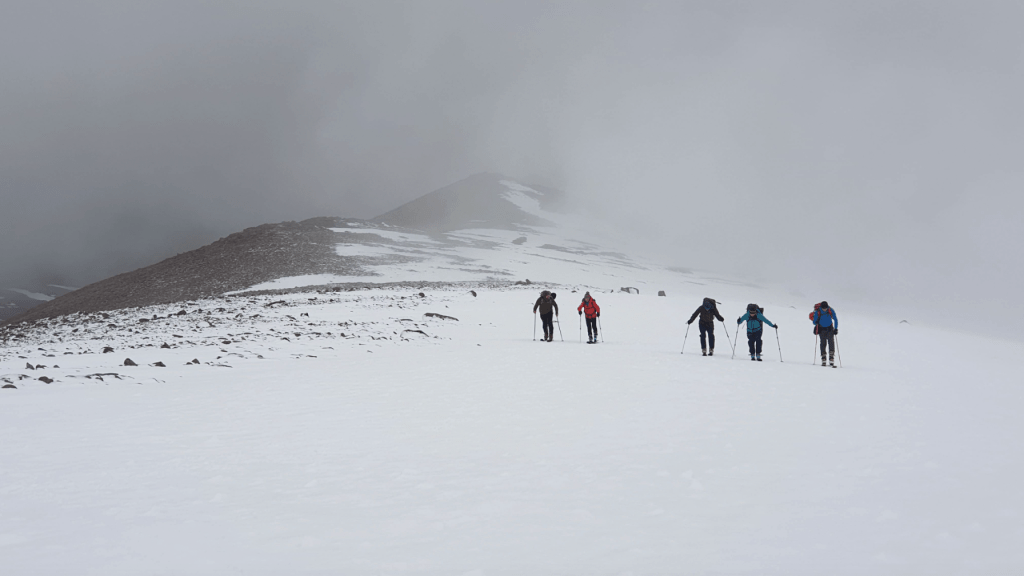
(827, 336)
(754, 342)
(592, 328)
(710, 331)
(549, 326)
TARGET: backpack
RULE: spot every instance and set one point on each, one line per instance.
(817, 309)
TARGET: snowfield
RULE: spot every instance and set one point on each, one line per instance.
(344, 442)
(320, 425)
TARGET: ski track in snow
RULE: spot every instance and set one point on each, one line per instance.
(331, 443)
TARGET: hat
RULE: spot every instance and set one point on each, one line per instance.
(824, 304)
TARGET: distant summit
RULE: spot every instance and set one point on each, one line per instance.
(480, 201)
(327, 249)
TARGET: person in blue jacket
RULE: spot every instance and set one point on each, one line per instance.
(827, 324)
(755, 328)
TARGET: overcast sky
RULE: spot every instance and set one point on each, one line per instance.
(862, 148)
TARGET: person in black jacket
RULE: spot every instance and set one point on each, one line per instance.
(548, 308)
(707, 311)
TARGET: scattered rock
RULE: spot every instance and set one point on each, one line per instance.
(524, 282)
(520, 240)
(473, 292)
(159, 364)
(12, 386)
(143, 320)
(661, 292)
(45, 380)
(441, 316)
(182, 312)
(422, 295)
(165, 345)
(128, 362)
(194, 361)
(107, 349)
(904, 322)
(629, 290)
(418, 331)
(29, 366)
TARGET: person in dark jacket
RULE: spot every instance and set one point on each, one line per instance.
(755, 327)
(827, 324)
(548, 308)
(707, 311)
(593, 311)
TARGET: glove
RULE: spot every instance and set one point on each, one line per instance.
(776, 326)
(836, 332)
(598, 314)
(581, 312)
(739, 321)
(689, 321)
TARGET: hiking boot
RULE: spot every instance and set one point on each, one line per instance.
(703, 352)
(752, 358)
(758, 357)
(711, 352)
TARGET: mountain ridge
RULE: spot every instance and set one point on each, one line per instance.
(262, 254)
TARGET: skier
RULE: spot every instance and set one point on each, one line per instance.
(708, 311)
(546, 303)
(754, 319)
(827, 325)
(589, 305)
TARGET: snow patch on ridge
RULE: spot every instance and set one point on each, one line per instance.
(32, 295)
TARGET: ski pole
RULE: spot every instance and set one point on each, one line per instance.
(534, 326)
(814, 356)
(726, 328)
(684, 338)
(777, 343)
(737, 338)
(601, 328)
(581, 328)
(837, 351)
(559, 329)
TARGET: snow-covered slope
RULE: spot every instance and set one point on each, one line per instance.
(349, 432)
(402, 419)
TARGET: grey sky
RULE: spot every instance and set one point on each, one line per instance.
(865, 148)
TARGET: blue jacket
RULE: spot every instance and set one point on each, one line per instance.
(754, 323)
(826, 320)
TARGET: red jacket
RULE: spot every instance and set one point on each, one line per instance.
(590, 308)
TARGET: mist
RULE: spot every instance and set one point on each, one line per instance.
(868, 150)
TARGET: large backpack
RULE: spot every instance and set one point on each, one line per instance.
(817, 308)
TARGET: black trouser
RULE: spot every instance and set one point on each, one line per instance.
(592, 328)
(708, 329)
(549, 326)
(754, 342)
(827, 335)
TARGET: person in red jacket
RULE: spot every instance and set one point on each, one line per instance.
(589, 305)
